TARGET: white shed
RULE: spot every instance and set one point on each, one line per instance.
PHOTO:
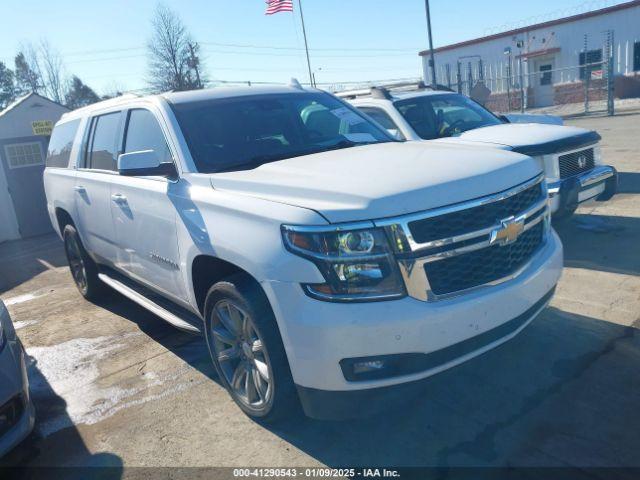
(25, 129)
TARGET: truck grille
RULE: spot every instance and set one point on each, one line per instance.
(575, 163)
(475, 218)
(483, 266)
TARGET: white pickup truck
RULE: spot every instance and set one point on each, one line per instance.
(325, 262)
(571, 156)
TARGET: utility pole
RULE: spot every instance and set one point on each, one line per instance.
(432, 61)
(306, 45)
(195, 62)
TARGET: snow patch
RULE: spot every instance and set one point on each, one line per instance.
(21, 299)
(71, 370)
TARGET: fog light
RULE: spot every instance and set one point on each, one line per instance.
(369, 366)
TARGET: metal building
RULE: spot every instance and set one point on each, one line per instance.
(549, 63)
(25, 128)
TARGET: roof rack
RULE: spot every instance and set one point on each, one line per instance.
(384, 91)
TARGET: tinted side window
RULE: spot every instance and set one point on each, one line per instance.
(144, 133)
(380, 116)
(61, 143)
(102, 153)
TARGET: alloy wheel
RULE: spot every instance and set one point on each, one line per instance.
(241, 355)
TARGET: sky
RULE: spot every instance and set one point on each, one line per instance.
(104, 42)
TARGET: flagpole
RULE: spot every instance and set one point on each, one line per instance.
(306, 46)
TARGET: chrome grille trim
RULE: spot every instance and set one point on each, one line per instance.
(485, 243)
(400, 224)
(412, 260)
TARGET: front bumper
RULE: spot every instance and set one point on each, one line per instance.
(15, 402)
(600, 183)
(318, 335)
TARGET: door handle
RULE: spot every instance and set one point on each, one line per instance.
(80, 189)
(118, 198)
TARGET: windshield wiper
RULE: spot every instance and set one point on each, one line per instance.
(259, 160)
(255, 162)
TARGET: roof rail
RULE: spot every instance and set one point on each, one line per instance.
(384, 90)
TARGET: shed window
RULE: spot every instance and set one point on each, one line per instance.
(24, 154)
(636, 57)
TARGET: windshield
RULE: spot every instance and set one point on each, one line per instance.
(438, 116)
(242, 133)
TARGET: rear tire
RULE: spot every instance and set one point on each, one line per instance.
(247, 350)
(84, 270)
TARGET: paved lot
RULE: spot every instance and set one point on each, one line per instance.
(114, 385)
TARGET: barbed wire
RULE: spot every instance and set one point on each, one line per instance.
(583, 7)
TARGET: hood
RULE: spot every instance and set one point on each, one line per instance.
(530, 138)
(383, 180)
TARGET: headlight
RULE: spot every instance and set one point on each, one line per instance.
(356, 262)
(597, 155)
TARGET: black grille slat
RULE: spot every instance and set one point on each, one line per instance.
(473, 219)
(569, 163)
(483, 266)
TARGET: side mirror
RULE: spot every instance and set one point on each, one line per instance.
(504, 118)
(144, 163)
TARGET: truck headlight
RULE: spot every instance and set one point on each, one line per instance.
(356, 262)
(597, 155)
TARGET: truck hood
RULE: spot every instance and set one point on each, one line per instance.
(528, 138)
(383, 180)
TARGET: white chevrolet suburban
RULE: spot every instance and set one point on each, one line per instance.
(571, 156)
(325, 262)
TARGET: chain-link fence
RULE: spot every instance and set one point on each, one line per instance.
(526, 84)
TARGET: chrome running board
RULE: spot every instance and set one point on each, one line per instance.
(150, 305)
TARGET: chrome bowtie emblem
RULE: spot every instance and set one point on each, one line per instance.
(582, 161)
(508, 232)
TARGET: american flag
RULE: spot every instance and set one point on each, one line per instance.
(275, 6)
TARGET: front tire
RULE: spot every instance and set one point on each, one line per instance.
(247, 351)
(83, 269)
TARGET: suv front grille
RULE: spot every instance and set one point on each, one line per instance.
(483, 266)
(575, 163)
(475, 218)
(449, 251)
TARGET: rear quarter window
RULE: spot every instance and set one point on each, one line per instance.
(61, 144)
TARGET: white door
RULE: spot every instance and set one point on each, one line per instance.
(93, 187)
(543, 82)
(144, 216)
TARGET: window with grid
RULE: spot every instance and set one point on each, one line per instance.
(24, 154)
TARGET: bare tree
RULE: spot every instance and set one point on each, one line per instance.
(173, 60)
(53, 70)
